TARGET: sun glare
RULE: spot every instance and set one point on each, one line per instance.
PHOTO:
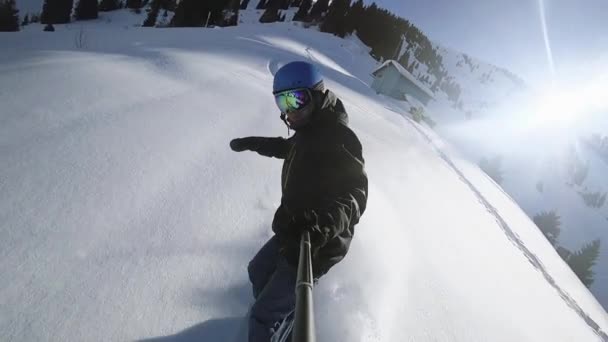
(564, 102)
(543, 22)
(569, 102)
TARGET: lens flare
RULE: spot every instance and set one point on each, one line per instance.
(543, 21)
(570, 102)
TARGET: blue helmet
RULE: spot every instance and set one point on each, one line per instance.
(296, 75)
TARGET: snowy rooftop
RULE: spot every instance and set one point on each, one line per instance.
(405, 74)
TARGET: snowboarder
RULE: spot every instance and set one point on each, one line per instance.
(324, 192)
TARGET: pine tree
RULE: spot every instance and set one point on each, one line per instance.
(169, 5)
(224, 12)
(190, 13)
(320, 7)
(56, 11)
(9, 16)
(383, 31)
(583, 261)
(134, 4)
(234, 8)
(354, 16)
(86, 9)
(335, 20)
(152, 14)
(216, 17)
(368, 30)
(244, 4)
(303, 12)
(26, 20)
(49, 10)
(231, 13)
(549, 224)
(563, 252)
(271, 14)
(68, 8)
(261, 5)
(109, 5)
(593, 199)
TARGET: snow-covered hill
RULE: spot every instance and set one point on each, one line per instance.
(539, 138)
(481, 85)
(124, 215)
(463, 86)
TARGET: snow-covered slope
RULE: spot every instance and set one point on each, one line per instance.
(481, 85)
(537, 148)
(124, 215)
(463, 86)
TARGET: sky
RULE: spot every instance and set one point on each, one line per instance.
(510, 33)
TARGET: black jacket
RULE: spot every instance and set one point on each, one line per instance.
(323, 178)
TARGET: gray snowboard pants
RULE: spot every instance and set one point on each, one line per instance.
(273, 281)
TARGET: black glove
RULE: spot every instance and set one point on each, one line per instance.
(309, 221)
(318, 238)
(242, 144)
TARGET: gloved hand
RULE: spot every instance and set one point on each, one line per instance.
(318, 238)
(309, 221)
(242, 144)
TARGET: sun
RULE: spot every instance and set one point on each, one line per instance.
(556, 106)
(569, 102)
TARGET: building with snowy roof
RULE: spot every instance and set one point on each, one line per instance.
(392, 79)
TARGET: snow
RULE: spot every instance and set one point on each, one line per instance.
(125, 215)
(538, 154)
(532, 129)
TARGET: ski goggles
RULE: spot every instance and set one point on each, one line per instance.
(292, 100)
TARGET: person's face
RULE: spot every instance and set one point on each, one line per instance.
(300, 117)
(297, 105)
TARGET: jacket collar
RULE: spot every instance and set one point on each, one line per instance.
(330, 110)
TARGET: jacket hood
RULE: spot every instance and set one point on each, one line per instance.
(330, 110)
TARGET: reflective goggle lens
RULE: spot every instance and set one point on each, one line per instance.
(291, 100)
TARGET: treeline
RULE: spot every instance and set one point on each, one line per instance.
(549, 223)
(196, 13)
(593, 199)
(9, 16)
(62, 11)
(581, 261)
(388, 35)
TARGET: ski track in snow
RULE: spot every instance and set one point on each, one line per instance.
(513, 237)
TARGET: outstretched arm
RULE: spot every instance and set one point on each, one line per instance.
(269, 147)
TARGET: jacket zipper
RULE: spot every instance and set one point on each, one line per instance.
(293, 156)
